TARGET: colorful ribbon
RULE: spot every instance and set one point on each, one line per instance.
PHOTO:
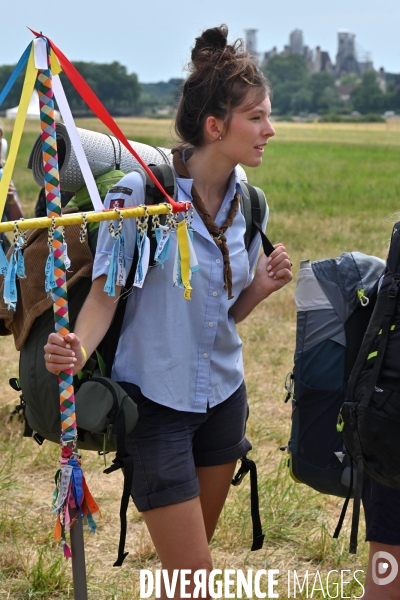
(29, 84)
(102, 113)
(71, 498)
(14, 75)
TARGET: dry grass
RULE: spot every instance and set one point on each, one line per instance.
(345, 133)
(340, 133)
(297, 521)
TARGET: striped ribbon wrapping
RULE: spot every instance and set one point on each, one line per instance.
(72, 498)
(53, 199)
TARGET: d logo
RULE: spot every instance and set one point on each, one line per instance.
(383, 568)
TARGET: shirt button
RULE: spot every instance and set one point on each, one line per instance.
(107, 262)
(211, 324)
(215, 293)
(205, 355)
(218, 261)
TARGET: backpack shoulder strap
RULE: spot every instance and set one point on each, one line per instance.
(380, 321)
(254, 208)
(393, 259)
(166, 176)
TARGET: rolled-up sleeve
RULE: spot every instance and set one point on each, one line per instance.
(127, 192)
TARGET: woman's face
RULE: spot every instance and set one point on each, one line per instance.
(247, 135)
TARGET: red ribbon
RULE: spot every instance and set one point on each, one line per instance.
(88, 95)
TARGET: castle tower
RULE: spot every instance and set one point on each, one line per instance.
(251, 41)
(346, 59)
(296, 43)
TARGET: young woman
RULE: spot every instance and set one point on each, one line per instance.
(180, 360)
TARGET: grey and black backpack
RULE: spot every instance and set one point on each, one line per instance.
(335, 299)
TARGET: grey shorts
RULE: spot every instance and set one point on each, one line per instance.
(167, 445)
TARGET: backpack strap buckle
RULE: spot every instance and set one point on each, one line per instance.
(39, 439)
(243, 470)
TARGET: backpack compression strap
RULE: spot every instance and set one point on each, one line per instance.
(123, 460)
(254, 208)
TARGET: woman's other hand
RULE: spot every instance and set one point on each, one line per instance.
(274, 271)
(62, 353)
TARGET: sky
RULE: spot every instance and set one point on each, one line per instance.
(153, 39)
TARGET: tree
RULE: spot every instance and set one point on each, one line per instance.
(163, 93)
(301, 101)
(324, 96)
(392, 97)
(288, 75)
(118, 90)
(14, 94)
(286, 68)
(368, 97)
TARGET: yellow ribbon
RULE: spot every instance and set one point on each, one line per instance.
(55, 66)
(29, 83)
(183, 244)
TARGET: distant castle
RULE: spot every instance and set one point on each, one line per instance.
(348, 60)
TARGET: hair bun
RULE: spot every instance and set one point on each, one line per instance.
(210, 41)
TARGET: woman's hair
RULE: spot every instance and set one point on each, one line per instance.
(222, 77)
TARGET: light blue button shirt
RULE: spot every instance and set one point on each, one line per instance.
(185, 354)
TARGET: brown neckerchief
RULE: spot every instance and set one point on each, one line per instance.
(217, 233)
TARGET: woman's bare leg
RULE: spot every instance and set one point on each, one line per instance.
(180, 532)
(214, 487)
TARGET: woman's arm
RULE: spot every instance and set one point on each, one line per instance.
(92, 324)
(271, 274)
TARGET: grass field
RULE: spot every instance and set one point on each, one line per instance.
(331, 188)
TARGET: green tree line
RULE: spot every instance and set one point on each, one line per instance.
(295, 90)
(120, 91)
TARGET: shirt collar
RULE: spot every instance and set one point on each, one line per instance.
(235, 185)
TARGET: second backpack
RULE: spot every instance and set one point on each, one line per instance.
(334, 299)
